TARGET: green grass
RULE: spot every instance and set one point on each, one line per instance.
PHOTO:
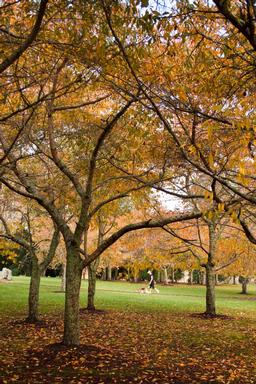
(123, 296)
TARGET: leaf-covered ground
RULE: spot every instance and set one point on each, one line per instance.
(130, 347)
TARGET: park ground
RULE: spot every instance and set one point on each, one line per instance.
(132, 338)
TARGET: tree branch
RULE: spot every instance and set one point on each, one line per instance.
(15, 55)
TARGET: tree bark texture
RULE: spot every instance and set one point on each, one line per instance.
(210, 291)
(33, 298)
(210, 276)
(73, 283)
(92, 269)
(109, 273)
(244, 285)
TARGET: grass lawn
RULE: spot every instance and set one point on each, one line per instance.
(136, 338)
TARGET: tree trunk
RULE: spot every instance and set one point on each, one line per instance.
(203, 278)
(210, 275)
(103, 276)
(173, 275)
(36, 273)
(92, 269)
(165, 275)
(109, 273)
(210, 291)
(216, 279)
(234, 280)
(73, 283)
(190, 279)
(158, 279)
(244, 286)
(33, 299)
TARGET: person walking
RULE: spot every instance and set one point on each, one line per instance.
(152, 283)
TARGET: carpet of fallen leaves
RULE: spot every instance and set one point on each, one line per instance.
(130, 347)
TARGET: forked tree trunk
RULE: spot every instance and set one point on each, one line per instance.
(73, 283)
(92, 269)
(33, 298)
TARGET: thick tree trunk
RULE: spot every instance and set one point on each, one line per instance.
(244, 286)
(33, 298)
(234, 280)
(92, 269)
(73, 283)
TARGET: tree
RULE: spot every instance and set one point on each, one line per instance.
(59, 169)
(30, 230)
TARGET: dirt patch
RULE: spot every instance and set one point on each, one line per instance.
(208, 316)
(92, 311)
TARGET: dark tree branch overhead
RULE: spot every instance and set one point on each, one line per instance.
(245, 23)
(153, 223)
(15, 55)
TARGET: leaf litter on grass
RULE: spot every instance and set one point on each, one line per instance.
(131, 347)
